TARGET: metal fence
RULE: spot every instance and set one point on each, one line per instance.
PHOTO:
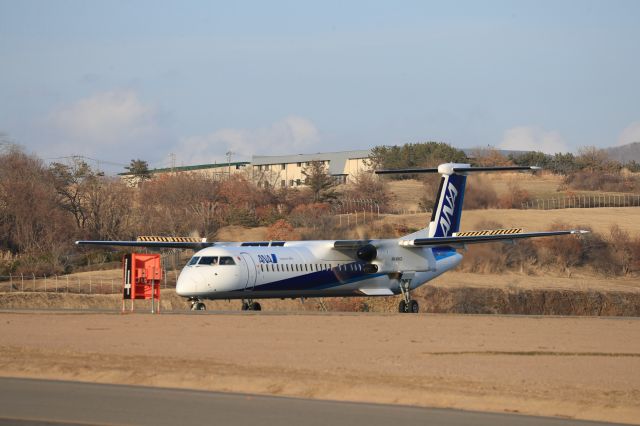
(358, 211)
(584, 201)
(70, 284)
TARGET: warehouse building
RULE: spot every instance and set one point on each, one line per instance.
(286, 170)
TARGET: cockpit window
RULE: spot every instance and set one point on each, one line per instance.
(227, 260)
(208, 260)
(193, 260)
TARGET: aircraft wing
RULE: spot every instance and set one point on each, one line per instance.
(154, 242)
(474, 239)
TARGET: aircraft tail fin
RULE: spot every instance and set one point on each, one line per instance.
(447, 211)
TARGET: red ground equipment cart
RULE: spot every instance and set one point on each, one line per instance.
(142, 274)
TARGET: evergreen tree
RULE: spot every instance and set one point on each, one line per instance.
(322, 185)
(139, 171)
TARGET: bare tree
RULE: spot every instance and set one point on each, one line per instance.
(110, 207)
(73, 183)
(31, 225)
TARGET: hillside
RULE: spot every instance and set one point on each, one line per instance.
(625, 153)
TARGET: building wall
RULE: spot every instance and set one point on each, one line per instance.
(355, 166)
(290, 174)
(285, 171)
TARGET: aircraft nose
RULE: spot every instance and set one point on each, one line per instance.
(185, 284)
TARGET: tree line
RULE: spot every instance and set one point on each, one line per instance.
(44, 208)
(589, 169)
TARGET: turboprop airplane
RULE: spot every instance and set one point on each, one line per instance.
(337, 268)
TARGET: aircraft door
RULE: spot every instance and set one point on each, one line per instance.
(251, 271)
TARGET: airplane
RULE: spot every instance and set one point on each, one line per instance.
(254, 270)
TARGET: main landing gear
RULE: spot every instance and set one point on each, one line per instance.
(250, 305)
(407, 305)
(197, 305)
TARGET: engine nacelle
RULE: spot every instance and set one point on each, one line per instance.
(367, 253)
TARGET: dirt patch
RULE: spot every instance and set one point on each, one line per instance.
(585, 368)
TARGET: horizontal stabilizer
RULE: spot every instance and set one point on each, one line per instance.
(461, 240)
(451, 170)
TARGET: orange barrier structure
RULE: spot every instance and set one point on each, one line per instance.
(142, 274)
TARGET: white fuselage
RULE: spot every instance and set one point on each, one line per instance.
(307, 269)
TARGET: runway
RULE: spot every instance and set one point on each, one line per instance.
(45, 402)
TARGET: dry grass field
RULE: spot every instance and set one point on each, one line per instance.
(586, 368)
(406, 193)
(599, 220)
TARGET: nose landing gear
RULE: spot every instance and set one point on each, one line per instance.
(250, 305)
(197, 305)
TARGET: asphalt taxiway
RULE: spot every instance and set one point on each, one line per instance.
(44, 402)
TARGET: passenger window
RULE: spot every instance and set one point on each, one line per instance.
(208, 260)
(227, 260)
(193, 260)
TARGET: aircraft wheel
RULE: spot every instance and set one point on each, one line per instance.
(402, 307)
(255, 306)
(201, 306)
(414, 308)
(245, 306)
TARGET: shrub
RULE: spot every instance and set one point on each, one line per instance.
(599, 180)
(309, 215)
(267, 215)
(282, 230)
(514, 197)
(480, 194)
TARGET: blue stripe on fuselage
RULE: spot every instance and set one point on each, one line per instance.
(318, 280)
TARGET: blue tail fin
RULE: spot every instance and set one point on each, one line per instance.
(445, 219)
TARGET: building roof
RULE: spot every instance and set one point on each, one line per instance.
(194, 167)
(337, 160)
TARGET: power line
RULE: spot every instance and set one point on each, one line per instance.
(111, 163)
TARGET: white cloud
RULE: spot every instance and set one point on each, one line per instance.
(104, 124)
(530, 138)
(290, 135)
(630, 134)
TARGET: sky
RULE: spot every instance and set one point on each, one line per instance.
(187, 82)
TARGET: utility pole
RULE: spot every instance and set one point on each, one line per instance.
(229, 154)
(172, 159)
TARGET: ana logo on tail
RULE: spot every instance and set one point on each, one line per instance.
(447, 208)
